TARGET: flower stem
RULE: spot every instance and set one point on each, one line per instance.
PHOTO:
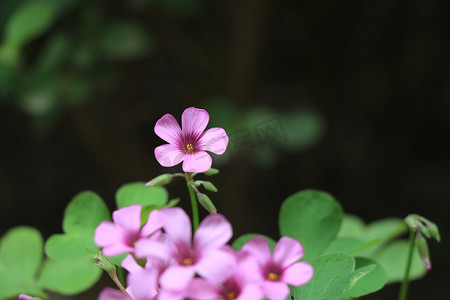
(119, 285)
(195, 218)
(405, 283)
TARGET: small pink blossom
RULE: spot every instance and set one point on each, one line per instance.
(281, 269)
(121, 235)
(206, 256)
(243, 284)
(189, 143)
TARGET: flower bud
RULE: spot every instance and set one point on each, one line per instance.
(422, 248)
(211, 172)
(105, 263)
(160, 180)
(434, 231)
(412, 222)
(206, 203)
(209, 186)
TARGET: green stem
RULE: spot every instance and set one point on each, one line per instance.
(405, 283)
(195, 218)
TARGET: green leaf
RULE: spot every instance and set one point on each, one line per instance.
(371, 282)
(346, 245)
(69, 246)
(69, 277)
(137, 193)
(20, 258)
(392, 259)
(327, 282)
(30, 20)
(313, 218)
(83, 214)
(240, 241)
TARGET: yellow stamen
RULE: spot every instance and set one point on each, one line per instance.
(189, 149)
(188, 261)
(272, 276)
(231, 295)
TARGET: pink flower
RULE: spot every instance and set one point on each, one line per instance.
(111, 294)
(243, 284)
(189, 144)
(121, 235)
(281, 269)
(206, 256)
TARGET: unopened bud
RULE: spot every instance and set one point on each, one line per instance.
(434, 231)
(105, 263)
(422, 248)
(412, 222)
(206, 184)
(160, 180)
(206, 203)
(211, 172)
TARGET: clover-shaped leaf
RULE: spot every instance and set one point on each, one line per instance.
(20, 258)
(336, 276)
(70, 276)
(313, 218)
(83, 214)
(137, 193)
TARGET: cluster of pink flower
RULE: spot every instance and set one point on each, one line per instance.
(178, 266)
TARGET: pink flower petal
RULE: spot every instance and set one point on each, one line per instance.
(153, 224)
(143, 284)
(197, 162)
(201, 290)
(116, 249)
(177, 277)
(160, 248)
(111, 294)
(194, 120)
(275, 290)
(287, 251)
(214, 140)
(108, 233)
(128, 218)
(130, 264)
(259, 248)
(169, 155)
(214, 232)
(298, 274)
(216, 265)
(250, 291)
(177, 224)
(168, 129)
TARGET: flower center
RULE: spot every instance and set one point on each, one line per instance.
(188, 261)
(272, 276)
(231, 295)
(189, 149)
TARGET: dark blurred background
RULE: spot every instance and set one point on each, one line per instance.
(351, 97)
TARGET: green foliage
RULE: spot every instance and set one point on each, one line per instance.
(313, 218)
(83, 214)
(69, 276)
(20, 258)
(153, 197)
(334, 276)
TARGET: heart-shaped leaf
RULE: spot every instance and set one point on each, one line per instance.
(83, 214)
(70, 276)
(20, 258)
(313, 218)
(137, 193)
